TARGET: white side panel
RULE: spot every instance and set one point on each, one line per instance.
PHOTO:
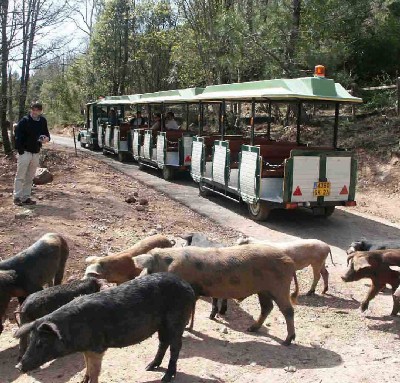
(187, 150)
(100, 136)
(160, 150)
(305, 174)
(116, 139)
(338, 172)
(219, 161)
(172, 158)
(135, 144)
(146, 146)
(107, 137)
(272, 189)
(197, 158)
(248, 168)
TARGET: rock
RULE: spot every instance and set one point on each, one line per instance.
(143, 201)
(140, 208)
(24, 214)
(253, 364)
(42, 176)
(290, 369)
(136, 194)
(159, 227)
(130, 199)
(152, 232)
(225, 330)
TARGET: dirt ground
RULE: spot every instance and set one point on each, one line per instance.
(86, 203)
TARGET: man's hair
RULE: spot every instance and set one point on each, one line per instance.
(36, 105)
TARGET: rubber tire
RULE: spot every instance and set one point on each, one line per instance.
(203, 192)
(82, 145)
(168, 173)
(121, 157)
(259, 211)
(329, 210)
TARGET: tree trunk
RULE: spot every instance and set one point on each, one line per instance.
(4, 79)
(10, 108)
(294, 35)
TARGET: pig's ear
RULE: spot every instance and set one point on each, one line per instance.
(23, 330)
(360, 263)
(143, 261)
(50, 328)
(188, 237)
(93, 271)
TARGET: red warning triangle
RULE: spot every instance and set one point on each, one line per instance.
(297, 192)
(344, 190)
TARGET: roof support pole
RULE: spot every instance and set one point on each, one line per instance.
(149, 113)
(253, 115)
(336, 126)
(298, 122)
(187, 116)
(162, 121)
(200, 119)
(269, 119)
(222, 119)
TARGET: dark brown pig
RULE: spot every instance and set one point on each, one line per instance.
(28, 271)
(232, 272)
(119, 267)
(117, 317)
(374, 265)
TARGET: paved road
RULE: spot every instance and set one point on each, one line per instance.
(339, 230)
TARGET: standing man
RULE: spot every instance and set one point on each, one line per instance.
(30, 133)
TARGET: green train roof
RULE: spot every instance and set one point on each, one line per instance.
(171, 96)
(308, 88)
(119, 100)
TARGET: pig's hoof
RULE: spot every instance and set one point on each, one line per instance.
(253, 328)
(152, 366)
(85, 379)
(168, 376)
(212, 316)
(324, 291)
(363, 307)
(310, 293)
(289, 340)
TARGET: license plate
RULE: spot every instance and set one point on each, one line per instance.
(322, 189)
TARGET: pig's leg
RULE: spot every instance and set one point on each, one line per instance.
(266, 307)
(224, 306)
(325, 277)
(162, 348)
(176, 345)
(4, 301)
(373, 291)
(286, 308)
(317, 275)
(396, 305)
(192, 316)
(214, 310)
(60, 273)
(93, 366)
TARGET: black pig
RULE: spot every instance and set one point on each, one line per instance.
(27, 272)
(117, 317)
(44, 302)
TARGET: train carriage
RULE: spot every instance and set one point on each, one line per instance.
(161, 148)
(266, 173)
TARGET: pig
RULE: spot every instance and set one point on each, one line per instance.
(364, 245)
(200, 240)
(28, 271)
(119, 267)
(116, 317)
(232, 272)
(304, 252)
(46, 301)
(375, 265)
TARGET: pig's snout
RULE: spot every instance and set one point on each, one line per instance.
(19, 367)
(347, 278)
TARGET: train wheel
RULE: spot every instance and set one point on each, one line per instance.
(259, 211)
(121, 156)
(329, 210)
(168, 173)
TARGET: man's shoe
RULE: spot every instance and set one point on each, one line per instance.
(18, 202)
(29, 201)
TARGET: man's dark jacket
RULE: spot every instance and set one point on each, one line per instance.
(28, 132)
